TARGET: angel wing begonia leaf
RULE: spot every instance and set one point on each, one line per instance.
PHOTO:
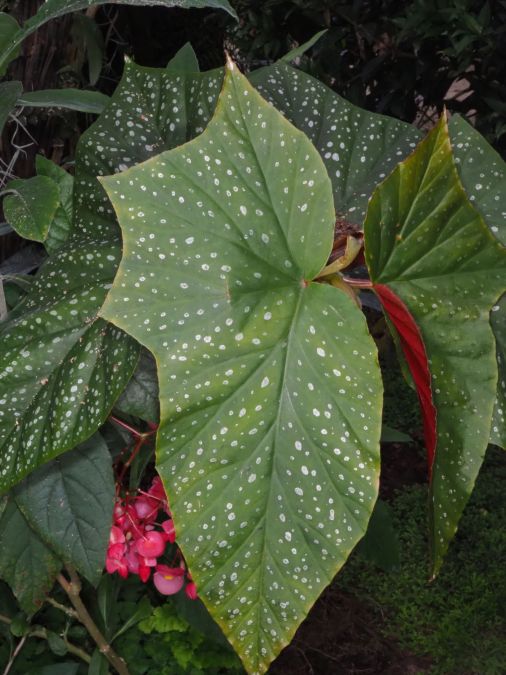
(61, 368)
(269, 384)
(483, 174)
(430, 247)
(359, 148)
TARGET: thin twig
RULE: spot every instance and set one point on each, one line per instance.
(73, 589)
(19, 647)
(66, 610)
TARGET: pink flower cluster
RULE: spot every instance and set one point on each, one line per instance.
(137, 540)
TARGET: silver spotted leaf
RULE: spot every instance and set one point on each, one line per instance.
(270, 389)
(61, 368)
(152, 110)
(30, 206)
(483, 175)
(68, 502)
(359, 148)
(426, 242)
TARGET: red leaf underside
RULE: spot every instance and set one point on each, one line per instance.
(416, 357)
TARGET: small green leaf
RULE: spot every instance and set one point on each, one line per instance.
(302, 49)
(61, 225)
(92, 102)
(30, 206)
(239, 221)
(427, 243)
(99, 664)
(56, 644)
(26, 564)
(68, 503)
(185, 61)
(9, 94)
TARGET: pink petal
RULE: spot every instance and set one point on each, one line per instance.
(168, 583)
(191, 591)
(151, 545)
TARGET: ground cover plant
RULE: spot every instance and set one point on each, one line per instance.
(232, 228)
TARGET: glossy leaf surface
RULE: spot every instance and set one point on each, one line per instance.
(68, 503)
(427, 243)
(483, 175)
(26, 563)
(222, 237)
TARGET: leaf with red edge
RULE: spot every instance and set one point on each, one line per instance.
(432, 249)
(414, 351)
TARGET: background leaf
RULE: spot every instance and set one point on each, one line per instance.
(9, 27)
(242, 338)
(68, 503)
(359, 148)
(92, 102)
(26, 564)
(140, 397)
(9, 93)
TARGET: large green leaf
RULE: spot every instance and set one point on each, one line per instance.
(267, 445)
(359, 148)
(427, 243)
(483, 175)
(26, 564)
(68, 503)
(52, 9)
(61, 368)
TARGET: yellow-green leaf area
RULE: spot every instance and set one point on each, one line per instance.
(270, 390)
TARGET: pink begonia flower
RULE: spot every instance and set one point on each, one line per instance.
(168, 580)
(116, 536)
(115, 560)
(169, 530)
(151, 545)
(145, 509)
(191, 590)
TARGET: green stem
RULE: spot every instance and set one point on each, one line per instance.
(73, 589)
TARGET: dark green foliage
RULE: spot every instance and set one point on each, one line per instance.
(459, 620)
(170, 646)
(390, 56)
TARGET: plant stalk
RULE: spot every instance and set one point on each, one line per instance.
(73, 589)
